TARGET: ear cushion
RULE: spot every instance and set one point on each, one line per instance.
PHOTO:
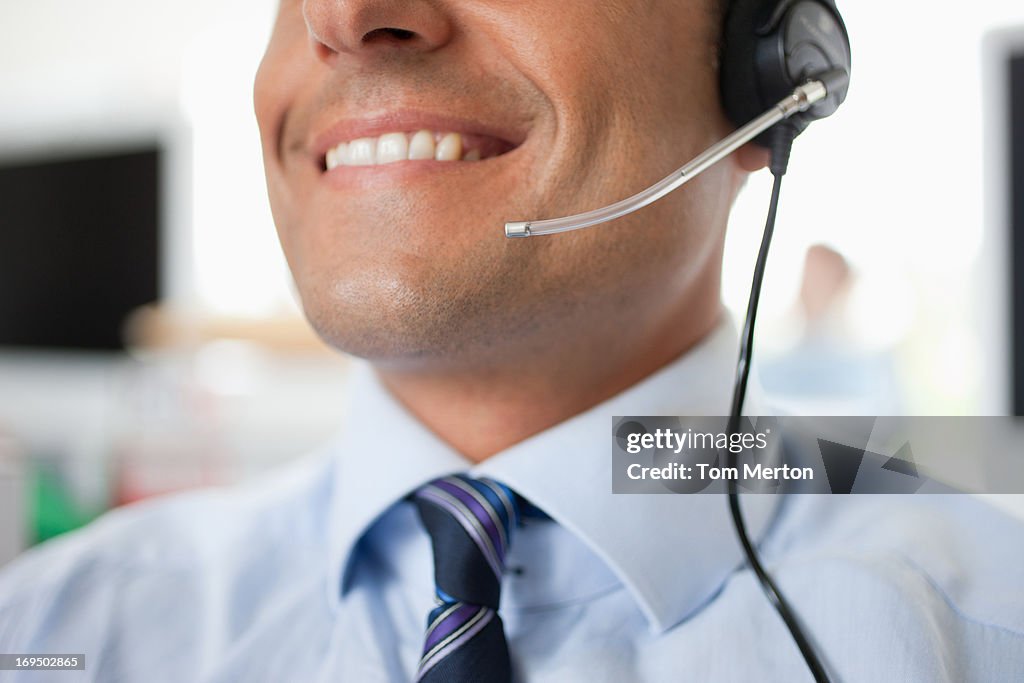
(769, 47)
(741, 95)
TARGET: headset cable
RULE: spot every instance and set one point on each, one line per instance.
(781, 145)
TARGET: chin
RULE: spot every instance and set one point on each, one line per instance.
(390, 320)
(439, 301)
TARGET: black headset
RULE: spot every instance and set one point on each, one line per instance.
(770, 48)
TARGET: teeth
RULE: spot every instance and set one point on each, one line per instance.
(361, 152)
(392, 147)
(422, 145)
(450, 148)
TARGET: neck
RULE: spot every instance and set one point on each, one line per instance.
(482, 410)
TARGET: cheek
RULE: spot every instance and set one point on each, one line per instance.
(286, 71)
(633, 111)
(271, 91)
(287, 74)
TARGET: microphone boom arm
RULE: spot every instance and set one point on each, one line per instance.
(801, 99)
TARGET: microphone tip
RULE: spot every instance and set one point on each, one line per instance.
(517, 229)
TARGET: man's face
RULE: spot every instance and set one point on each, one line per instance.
(572, 104)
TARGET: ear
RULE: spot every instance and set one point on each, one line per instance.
(752, 157)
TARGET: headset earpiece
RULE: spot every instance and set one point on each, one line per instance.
(772, 46)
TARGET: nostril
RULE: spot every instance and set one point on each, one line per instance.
(397, 34)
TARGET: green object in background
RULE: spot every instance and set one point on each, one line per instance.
(54, 509)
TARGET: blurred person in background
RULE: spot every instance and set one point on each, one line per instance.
(471, 480)
(826, 370)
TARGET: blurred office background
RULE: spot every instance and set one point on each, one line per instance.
(150, 340)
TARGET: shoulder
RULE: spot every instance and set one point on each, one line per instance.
(162, 557)
(959, 551)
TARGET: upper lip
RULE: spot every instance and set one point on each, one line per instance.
(348, 129)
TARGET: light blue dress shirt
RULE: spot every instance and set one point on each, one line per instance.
(320, 571)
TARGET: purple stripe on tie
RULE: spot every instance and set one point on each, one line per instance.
(426, 665)
(459, 513)
(449, 625)
(486, 496)
(478, 511)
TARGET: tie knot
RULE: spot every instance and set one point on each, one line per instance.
(470, 522)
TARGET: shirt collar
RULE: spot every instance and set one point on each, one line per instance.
(672, 552)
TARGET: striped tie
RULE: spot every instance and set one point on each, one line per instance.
(470, 523)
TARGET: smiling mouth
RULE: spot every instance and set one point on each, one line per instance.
(422, 145)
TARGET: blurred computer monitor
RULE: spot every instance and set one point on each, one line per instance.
(1001, 303)
(1016, 114)
(79, 242)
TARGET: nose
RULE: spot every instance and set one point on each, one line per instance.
(365, 28)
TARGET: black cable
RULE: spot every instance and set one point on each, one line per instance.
(782, 143)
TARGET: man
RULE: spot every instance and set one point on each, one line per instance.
(398, 137)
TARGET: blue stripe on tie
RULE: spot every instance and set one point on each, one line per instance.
(483, 510)
(510, 501)
(495, 503)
